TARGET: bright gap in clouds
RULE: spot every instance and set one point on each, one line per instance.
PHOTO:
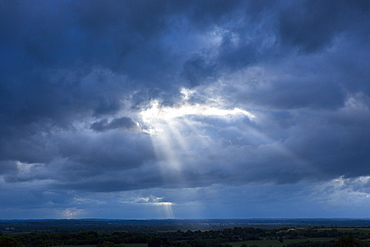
(157, 115)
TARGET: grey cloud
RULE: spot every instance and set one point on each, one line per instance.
(197, 70)
(24, 200)
(127, 44)
(7, 167)
(75, 156)
(118, 123)
(107, 107)
(334, 151)
(121, 150)
(123, 177)
(313, 25)
(27, 147)
(300, 94)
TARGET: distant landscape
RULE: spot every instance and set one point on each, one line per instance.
(186, 233)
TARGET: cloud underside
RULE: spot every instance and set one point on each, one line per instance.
(121, 97)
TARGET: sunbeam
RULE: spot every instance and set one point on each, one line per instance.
(175, 132)
(167, 208)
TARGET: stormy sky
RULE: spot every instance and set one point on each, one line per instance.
(184, 109)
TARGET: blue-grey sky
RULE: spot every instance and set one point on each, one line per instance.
(184, 109)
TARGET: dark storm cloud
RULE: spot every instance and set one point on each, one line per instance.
(70, 39)
(120, 151)
(334, 148)
(313, 25)
(113, 36)
(196, 70)
(297, 93)
(301, 67)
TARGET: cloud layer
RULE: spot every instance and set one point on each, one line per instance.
(102, 104)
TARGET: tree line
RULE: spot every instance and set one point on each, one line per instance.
(213, 238)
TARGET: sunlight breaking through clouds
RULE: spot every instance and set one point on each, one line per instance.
(72, 213)
(175, 132)
(158, 115)
(156, 112)
(184, 96)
